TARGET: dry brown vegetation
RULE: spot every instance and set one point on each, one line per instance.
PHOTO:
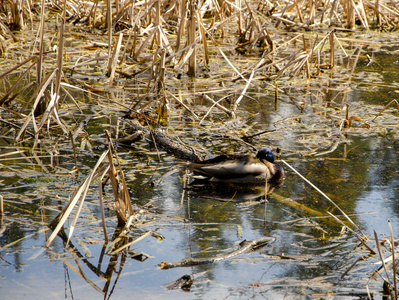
(64, 46)
(69, 46)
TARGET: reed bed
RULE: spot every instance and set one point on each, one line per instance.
(143, 50)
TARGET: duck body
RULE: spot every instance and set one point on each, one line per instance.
(246, 169)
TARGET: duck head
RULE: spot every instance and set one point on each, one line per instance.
(266, 154)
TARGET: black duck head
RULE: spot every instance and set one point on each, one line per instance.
(266, 154)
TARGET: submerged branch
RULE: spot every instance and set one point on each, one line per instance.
(162, 139)
(246, 246)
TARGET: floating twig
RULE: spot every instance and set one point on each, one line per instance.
(245, 246)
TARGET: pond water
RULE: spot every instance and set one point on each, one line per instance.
(306, 260)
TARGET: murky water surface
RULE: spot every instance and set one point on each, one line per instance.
(361, 176)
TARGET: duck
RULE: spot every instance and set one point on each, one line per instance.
(240, 169)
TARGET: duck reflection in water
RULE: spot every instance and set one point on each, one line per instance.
(241, 176)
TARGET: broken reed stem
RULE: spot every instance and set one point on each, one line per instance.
(1, 205)
(216, 103)
(131, 243)
(377, 242)
(213, 105)
(39, 71)
(245, 246)
(191, 40)
(231, 65)
(161, 74)
(395, 289)
(74, 152)
(332, 59)
(203, 37)
(308, 73)
(114, 59)
(325, 196)
(82, 190)
(237, 102)
(182, 104)
(332, 11)
(350, 14)
(351, 267)
(158, 22)
(354, 233)
(125, 192)
(100, 197)
(180, 32)
(312, 11)
(377, 13)
(299, 10)
(40, 93)
(240, 31)
(60, 50)
(109, 26)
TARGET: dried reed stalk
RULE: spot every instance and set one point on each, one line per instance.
(123, 205)
(100, 198)
(230, 113)
(237, 102)
(182, 104)
(114, 60)
(161, 76)
(377, 242)
(326, 197)
(350, 14)
(154, 31)
(1, 205)
(46, 81)
(131, 243)
(299, 10)
(74, 152)
(158, 21)
(395, 288)
(192, 62)
(180, 31)
(17, 15)
(39, 69)
(109, 27)
(332, 55)
(60, 51)
(60, 220)
(203, 37)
